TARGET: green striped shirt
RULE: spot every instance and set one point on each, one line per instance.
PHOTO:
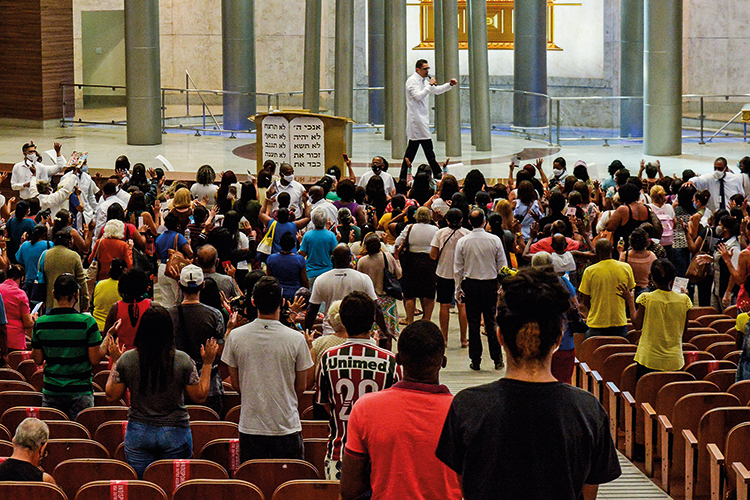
(65, 335)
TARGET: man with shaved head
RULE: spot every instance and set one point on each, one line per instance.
(336, 284)
(599, 295)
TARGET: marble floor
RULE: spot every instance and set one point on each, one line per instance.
(187, 152)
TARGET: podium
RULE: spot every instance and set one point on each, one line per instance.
(310, 142)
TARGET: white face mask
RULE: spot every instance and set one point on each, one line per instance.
(31, 157)
(288, 178)
(719, 174)
(558, 172)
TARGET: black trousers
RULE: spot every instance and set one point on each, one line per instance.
(253, 446)
(429, 152)
(480, 297)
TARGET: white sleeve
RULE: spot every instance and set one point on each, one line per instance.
(15, 179)
(441, 89)
(63, 193)
(418, 95)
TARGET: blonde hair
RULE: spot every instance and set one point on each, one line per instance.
(423, 215)
(658, 194)
(505, 210)
(334, 317)
(114, 229)
(182, 198)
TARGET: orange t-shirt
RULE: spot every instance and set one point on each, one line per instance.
(399, 429)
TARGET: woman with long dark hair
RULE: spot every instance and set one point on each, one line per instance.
(158, 375)
(222, 194)
(132, 287)
(249, 207)
(376, 199)
(421, 190)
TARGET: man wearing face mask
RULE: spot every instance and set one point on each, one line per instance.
(32, 166)
(559, 172)
(721, 183)
(379, 167)
(287, 184)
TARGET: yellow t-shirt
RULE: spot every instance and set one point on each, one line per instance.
(660, 346)
(741, 322)
(105, 294)
(600, 283)
(383, 224)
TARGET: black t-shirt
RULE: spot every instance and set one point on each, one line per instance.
(19, 470)
(512, 439)
(555, 216)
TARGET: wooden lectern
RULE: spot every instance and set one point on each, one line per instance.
(310, 142)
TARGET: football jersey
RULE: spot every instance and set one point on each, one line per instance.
(345, 373)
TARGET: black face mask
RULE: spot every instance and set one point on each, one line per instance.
(376, 168)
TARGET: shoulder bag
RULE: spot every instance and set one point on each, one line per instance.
(391, 286)
(403, 251)
(176, 260)
(93, 271)
(266, 244)
(698, 271)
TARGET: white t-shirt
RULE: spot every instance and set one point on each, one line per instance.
(420, 237)
(200, 190)
(267, 356)
(388, 183)
(443, 240)
(336, 284)
(564, 263)
(243, 243)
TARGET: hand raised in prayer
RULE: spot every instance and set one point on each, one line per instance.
(209, 351)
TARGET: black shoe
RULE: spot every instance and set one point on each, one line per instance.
(474, 366)
(499, 365)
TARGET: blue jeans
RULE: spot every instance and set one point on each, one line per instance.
(617, 331)
(69, 405)
(145, 444)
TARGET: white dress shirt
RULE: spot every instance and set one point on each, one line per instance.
(330, 209)
(418, 106)
(295, 190)
(22, 174)
(87, 196)
(57, 200)
(388, 182)
(479, 256)
(732, 186)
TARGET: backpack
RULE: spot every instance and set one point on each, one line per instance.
(667, 224)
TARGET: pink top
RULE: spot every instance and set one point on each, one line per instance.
(16, 304)
(640, 262)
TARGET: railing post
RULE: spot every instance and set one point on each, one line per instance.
(163, 111)
(549, 120)
(187, 94)
(277, 102)
(558, 122)
(702, 116)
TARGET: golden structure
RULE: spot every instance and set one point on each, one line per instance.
(499, 25)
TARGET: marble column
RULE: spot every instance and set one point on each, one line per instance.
(395, 12)
(530, 62)
(437, 16)
(472, 65)
(452, 97)
(480, 77)
(376, 59)
(238, 62)
(311, 77)
(662, 83)
(631, 67)
(388, 63)
(142, 72)
(343, 104)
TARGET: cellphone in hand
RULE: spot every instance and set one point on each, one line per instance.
(346, 157)
(571, 212)
(226, 264)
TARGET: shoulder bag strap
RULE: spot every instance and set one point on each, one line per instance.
(440, 252)
(176, 241)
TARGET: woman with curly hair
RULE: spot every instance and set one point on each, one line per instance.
(204, 185)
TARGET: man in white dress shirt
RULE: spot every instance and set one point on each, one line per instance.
(419, 86)
(31, 166)
(721, 183)
(54, 201)
(477, 263)
(378, 167)
(87, 195)
(286, 183)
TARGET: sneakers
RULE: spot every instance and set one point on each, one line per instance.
(499, 365)
(474, 366)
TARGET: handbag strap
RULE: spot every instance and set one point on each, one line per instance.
(176, 241)
(440, 252)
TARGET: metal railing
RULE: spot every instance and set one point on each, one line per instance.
(568, 118)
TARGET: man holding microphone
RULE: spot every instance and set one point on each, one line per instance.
(418, 87)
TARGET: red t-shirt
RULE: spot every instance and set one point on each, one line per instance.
(347, 372)
(399, 429)
(545, 245)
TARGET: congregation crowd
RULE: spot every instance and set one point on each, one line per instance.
(277, 288)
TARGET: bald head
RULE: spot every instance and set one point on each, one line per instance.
(316, 193)
(559, 243)
(342, 256)
(207, 256)
(603, 249)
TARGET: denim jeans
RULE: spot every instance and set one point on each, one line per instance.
(145, 444)
(69, 405)
(619, 331)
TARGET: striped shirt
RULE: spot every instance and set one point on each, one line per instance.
(65, 335)
(344, 374)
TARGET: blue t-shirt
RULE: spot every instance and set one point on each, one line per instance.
(28, 256)
(165, 242)
(318, 245)
(286, 268)
(17, 228)
(568, 343)
(281, 230)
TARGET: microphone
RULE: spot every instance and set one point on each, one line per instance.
(430, 77)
